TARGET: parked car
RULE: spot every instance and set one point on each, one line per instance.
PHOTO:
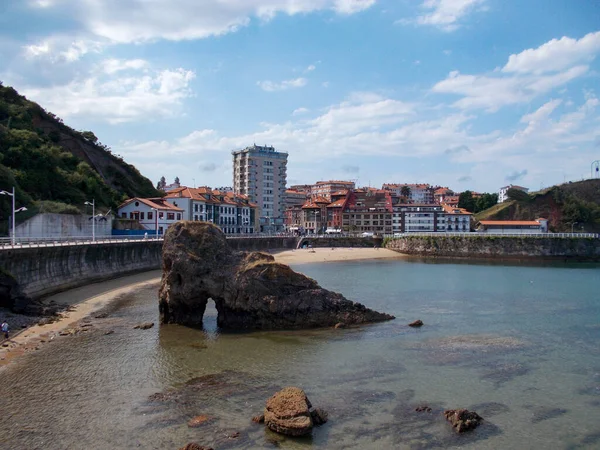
(368, 234)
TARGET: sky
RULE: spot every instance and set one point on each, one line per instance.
(469, 94)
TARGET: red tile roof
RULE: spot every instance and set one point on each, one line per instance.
(158, 203)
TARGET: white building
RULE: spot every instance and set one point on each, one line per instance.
(502, 193)
(421, 218)
(513, 226)
(261, 174)
(232, 213)
(419, 193)
(457, 219)
(151, 213)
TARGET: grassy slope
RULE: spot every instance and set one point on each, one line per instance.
(562, 205)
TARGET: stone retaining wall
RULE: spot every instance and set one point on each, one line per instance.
(46, 270)
(509, 247)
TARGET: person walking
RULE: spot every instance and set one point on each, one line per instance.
(4, 329)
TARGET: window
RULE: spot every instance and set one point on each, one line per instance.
(131, 215)
(124, 215)
(178, 216)
(161, 215)
(170, 216)
(150, 216)
(142, 215)
(195, 207)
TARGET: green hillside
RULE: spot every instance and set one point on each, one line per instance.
(55, 168)
(573, 205)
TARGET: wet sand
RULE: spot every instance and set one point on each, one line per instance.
(97, 296)
(328, 254)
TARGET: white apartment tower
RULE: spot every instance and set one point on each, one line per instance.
(260, 173)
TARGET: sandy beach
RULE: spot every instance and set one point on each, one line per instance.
(82, 302)
(328, 254)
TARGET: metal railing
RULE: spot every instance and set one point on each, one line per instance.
(487, 233)
(29, 242)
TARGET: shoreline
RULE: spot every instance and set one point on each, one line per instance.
(99, 295)
(334, 254)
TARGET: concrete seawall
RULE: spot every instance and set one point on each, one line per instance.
(46, 270)
(503, 247)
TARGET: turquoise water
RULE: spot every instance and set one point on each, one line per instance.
(518, 344)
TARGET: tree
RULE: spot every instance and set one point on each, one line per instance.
(485, 201)
(518, 195)
(466, 201)
(161, 184)
(405, 192)
(89, 136)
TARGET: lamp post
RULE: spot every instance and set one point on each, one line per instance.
(14, 212)
(93, 205)
(156, 228)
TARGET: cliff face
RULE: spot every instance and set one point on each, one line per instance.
(250, 290)
(480, 246)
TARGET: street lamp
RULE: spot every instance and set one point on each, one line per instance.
(93, 205)
(156, 212)
(14, 212)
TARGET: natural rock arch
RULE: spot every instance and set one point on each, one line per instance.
(250, 290)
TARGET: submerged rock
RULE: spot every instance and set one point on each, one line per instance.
(194, 446)
(250, 290)
(288, 412)
(144, 326)
(197, 421)
(462, 419)
(416, 324)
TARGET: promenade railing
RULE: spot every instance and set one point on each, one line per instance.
(492, 234)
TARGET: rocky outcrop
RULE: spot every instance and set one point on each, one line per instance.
(288, 412)
(462, 419)
(250, 290)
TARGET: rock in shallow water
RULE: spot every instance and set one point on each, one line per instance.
(416, 324)
(194, 446)
(462, 419)
(250, 290)
(288, 412)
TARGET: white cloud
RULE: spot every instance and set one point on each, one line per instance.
(555, 55)
(445, 14)
(118, 99)
(310, 68)
(184, 19)
(271, 86)
(300, 111)
(111, 66)
(492, 92)
(60, 49)
(525, 76)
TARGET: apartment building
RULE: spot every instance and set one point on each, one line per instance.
(326, 188)
(293, 198)
(260, 172)
(417, 193)
(503, 192)
(368, 210)
(418, 218)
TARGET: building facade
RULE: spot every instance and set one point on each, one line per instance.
(325, 189)
(513, 226)
(503, 192)
(261, 173)
(457, 219)
(419, 218)
(417, 193)
(234, 214)
(368, 210)
(153, 214)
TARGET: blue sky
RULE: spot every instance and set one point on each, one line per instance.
(470, 94)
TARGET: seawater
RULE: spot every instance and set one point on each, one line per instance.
(519, 344)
